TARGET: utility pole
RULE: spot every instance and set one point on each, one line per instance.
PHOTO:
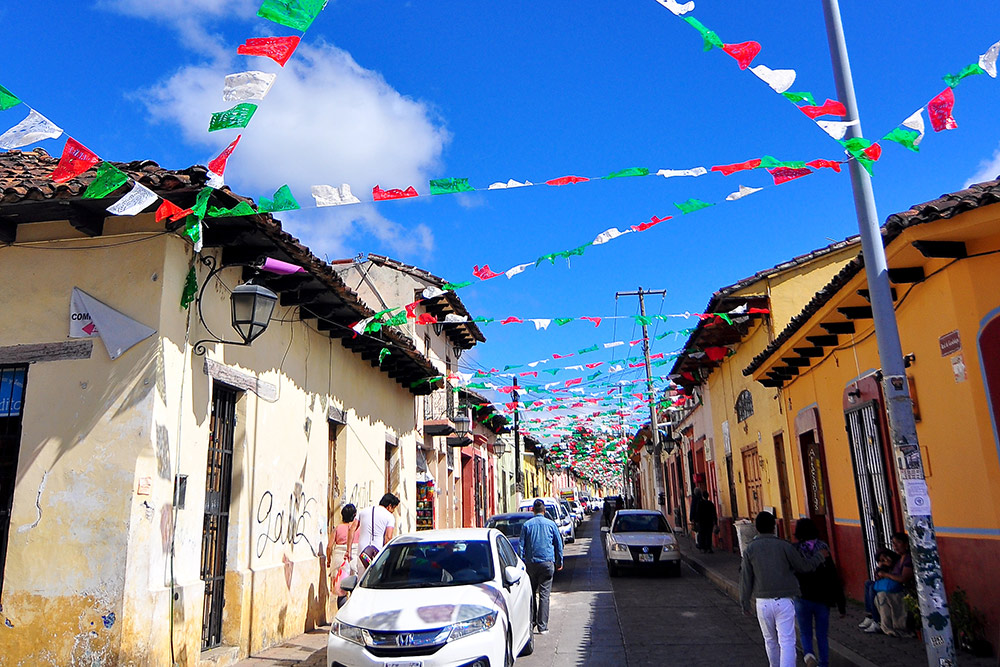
(518, 484)
(661, 490)
(937, 630)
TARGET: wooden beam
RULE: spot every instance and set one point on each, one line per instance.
(796, 361)
(87, 221)
(943, 249)
(906, 274)
(856, 312)
(8, 231)
(823, 341)
(786, 370)
(813, 352)
(864, 293)
(838, 327)
(771, 383)
(303, 296)
(33, 353)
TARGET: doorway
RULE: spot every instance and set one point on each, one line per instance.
(12, 384)
(752, 481)
(215, 529)
(786, 499)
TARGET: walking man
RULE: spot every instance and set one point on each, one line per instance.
(542, 550)
(768, 574)
(375, 525)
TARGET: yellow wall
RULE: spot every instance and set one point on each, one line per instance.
(95, 429)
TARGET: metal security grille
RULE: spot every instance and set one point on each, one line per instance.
(218, 486)
(12, 385)
(870, 477)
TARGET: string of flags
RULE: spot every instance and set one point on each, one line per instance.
(909, 133)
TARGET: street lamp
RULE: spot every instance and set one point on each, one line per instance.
(252, 306)
(463, 425)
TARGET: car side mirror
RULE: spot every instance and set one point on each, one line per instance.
(511, 575)
(349, 583)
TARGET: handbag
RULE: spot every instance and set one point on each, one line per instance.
(342, 571)
(368, 554)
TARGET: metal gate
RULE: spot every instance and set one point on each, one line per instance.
(871, 479)
(218, 485)
(12, 385)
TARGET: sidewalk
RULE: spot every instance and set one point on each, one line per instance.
(308, 650)
(848, 644)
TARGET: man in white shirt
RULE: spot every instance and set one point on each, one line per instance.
(376, 524)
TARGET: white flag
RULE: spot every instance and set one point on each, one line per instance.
(215, 180)
(432, 292)
(541, 324)
(609, 235)
(514, 270)
(617, 343)
(327, 195)
(836, 128)
(455, 319)
(988, 61)
(677, 8)
(136, 201)
(32, 129)
(670, 173)
(741, 193)
(916, 122)
(780, 80)
(251, 85)
(89, 317)
(509, 184)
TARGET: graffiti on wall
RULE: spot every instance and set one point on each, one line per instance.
(287, 525)
(360, 496)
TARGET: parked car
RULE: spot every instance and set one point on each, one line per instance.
(510, 525)
(596, 504)
(641, 539)
(585, 504)
(559, 514)
(578, 511)
(439, 597)
(568, 506)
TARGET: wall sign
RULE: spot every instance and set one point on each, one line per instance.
(950, 343)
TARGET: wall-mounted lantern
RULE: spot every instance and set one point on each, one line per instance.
(252, 306)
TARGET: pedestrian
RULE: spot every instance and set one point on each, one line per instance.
(820, 590)
(375, 525)
(768, 574)
(542, 551)
(693, 514)
(338, 552)
(706, 521)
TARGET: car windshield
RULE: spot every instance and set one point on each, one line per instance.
(425, 564)
(509, 526)
(640, 523)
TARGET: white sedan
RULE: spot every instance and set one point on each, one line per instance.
(641, 539)
(439, 598)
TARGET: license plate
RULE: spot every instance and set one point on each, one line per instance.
(645, 558)
(411, 663)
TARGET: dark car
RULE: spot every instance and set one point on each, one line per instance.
(510, 525)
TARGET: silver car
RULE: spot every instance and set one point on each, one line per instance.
(641, 539)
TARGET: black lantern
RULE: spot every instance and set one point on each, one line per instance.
(252, 308)
(463, 425)
(499, 447)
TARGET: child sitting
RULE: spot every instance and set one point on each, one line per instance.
(888, 596)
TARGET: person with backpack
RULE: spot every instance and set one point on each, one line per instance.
(821, 589)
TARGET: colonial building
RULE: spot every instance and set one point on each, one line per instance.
(166, 489)
(822, 372)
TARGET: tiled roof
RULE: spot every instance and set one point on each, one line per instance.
(944, 207)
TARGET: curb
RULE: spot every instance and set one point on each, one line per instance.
(731, 589)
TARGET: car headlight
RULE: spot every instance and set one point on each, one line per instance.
(348, 632)
(618, 546)
(471, 627)
(670, 547)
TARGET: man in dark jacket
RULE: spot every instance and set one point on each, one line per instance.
(768, 574)
(705, 521)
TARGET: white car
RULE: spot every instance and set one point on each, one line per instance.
(641, 539)
(438, 598)
(565, 522)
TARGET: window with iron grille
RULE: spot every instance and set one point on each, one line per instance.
(744, 406)
(12, 384)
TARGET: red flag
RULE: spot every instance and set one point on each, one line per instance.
(594, 365)
(278, 49)
(827, 164)
(378, 194)
(506, 390)
(218, 165)
(639, 365)
(562, 356)
(744, 52)
(657, 356)
(570, 383)
(512, 320)
(785, 174)
(830, 107)
(716, 353)
(566, 180)
(758, 311)
(409, 309)
(485, 273)
(646, 225)
(595, 320)
(171, 212)
(427, 318)
(873, 152)
(76, 159)
(728, 169)
(940, 108)
(533, 374)
(633, 343)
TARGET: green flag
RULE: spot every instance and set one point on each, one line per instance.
(969, 70)
(243, 208)
(455, 286)
(563, 320)
(297, 14)
(109, 178)
(642, 319)
(551, 257)
(238, 116)
(445, 186)
(593, 377)
(8, 100)
(692, 205)
(724, 316)
(383, 353)
(711, 39)
(633, 171)
(397, 320)
(192, 230)
(484, 320)
(201, 203)
(856, 147)
(905, 138)
(190, 288)
(283, 201)
(575, 251)
(799, 97)
(476, 385)
(507, 368)
(552, 371)
(768, 162)
(587, 349)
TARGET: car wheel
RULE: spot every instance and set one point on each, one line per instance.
(613, 570)
(529, 646)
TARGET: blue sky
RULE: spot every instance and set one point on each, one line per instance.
(395, 93)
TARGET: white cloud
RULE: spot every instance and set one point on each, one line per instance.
(988, 170)
(327, 120)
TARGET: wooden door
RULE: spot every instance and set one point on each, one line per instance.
(752, 481)
(786, 498)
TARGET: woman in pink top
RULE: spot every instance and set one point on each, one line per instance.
(337, 551)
